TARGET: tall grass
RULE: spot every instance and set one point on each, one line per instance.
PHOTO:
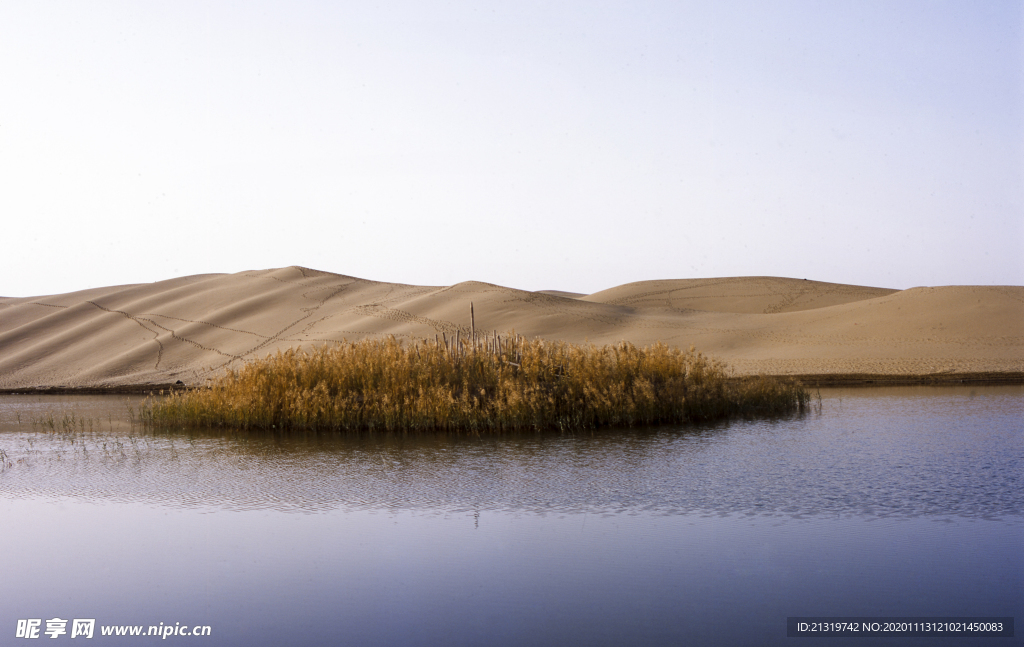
(505, 383)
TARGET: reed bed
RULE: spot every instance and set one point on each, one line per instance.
(497, 384)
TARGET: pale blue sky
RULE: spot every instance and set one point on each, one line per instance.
(565, 145)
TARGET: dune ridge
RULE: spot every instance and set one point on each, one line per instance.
(190, 328)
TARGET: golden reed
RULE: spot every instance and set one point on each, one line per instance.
(500, 383)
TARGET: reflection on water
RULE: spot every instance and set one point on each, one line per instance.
(898, 501)
(904, 452)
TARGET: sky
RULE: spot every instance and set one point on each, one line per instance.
(538, 145)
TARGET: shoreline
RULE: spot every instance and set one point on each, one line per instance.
(807, 380)
(884, 379)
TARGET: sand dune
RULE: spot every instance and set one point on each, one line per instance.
(749, 295)
(192, 327)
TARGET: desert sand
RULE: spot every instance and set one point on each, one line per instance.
(191, 328)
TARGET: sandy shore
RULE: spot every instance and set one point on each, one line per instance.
(193, 327)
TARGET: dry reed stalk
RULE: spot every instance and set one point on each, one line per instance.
(383, 385)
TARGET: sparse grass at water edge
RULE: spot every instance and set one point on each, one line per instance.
(499, 384)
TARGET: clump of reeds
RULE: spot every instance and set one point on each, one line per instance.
(68, 423)
(504, 383)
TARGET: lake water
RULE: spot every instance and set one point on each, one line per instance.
(887, 502)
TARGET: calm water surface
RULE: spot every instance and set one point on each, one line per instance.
(889, 502)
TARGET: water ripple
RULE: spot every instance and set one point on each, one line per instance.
(885, 452)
